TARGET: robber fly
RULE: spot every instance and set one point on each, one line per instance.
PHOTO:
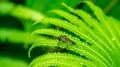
(64, 39)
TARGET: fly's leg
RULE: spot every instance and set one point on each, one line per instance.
(59, 43)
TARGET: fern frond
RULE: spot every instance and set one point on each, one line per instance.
(108, 33)
(72, 28)
(44, 42)
(84, 50)
(101, 17)
(56, 33)
(91, 56)
(60, 59)
(97, 26)
(70, 17)
(115, 36)
(102, 39)
(81, 24)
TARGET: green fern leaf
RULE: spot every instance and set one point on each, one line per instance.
(60, 59)
(43, 42)
(96, 37)
(84, 50)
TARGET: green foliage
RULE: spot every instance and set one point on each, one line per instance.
(60, 59)
(42, 6)
(96, 37)
(11, 62)
(19, 11)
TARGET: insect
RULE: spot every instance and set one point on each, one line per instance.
(64, 39)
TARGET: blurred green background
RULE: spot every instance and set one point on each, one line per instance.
(17, 17)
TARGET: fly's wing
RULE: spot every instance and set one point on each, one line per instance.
(71, 42)
(67, 40)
